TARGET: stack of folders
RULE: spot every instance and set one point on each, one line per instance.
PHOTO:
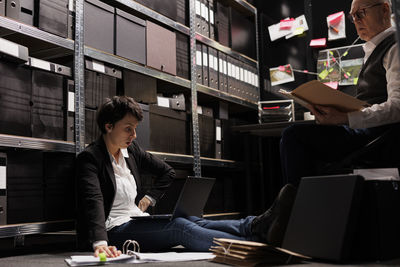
(248, 253)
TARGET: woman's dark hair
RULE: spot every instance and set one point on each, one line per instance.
(115, 109)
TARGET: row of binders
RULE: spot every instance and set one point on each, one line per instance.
(225, 73)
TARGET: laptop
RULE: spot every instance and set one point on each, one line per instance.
(191, 201)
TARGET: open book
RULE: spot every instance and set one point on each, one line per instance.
(248, 253)
(317, 93)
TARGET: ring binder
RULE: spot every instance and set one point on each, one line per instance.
(135, 246)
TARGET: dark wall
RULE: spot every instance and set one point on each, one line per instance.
(296, 50)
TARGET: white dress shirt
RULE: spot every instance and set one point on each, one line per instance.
(389, 111)
(124, 205)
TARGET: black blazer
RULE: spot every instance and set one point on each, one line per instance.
(96, 186)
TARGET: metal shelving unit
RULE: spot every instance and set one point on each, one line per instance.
(79, 52)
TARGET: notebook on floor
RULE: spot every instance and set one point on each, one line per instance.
(191, 201)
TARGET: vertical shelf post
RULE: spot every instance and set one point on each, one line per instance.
(79, 71)
(193, 85)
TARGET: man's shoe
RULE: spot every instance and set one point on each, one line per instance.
(271, 225)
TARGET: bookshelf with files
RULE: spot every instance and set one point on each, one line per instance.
(54, 122)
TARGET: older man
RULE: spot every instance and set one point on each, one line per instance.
(305, 147)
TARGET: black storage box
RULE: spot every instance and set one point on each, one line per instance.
(53, 16)
(25, 187)
(48, 105)
(130, 37)
(163, 130)
(207, 135)
(59, 198)
(160, 48)
(15, 97)
(140, 87)
(99, 25)
(98, 87)
(21, 10)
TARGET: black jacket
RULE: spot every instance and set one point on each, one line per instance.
(96, 186)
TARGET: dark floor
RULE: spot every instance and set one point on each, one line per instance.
(52, 250)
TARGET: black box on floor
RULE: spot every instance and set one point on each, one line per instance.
(130, 37)
(140, 87)
(164, 131)
(378, 232)
(21, 10)
(52, 16)
(15, 97)
(99, 25)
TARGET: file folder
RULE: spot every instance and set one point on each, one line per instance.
(13, 52)
(204, 18)
(222, 72)
(231, 75)
(130, 37)
(99, 25)
(213, 67)
(198, 20)
(69, 100)
(205, 65)
(53, 17)
(211, 19)
(222, 20)
(71, 19)
(182, 56)
(3, 188)
(218, 139)
(199, 63)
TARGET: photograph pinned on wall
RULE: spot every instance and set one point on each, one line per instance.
(288, 28)
(328, 66)
(281, 74)
(299, 27)
(350, 70)
(336, 26)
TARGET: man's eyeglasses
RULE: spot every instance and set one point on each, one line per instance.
(360, 14)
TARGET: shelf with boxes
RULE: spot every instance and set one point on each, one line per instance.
(167, 12)
(37, 103)
(35, 228)
(45, 20)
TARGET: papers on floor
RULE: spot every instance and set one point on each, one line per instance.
(383, 174)
(141, 258)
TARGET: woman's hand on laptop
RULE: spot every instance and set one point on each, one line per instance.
(110, 251)
(144, 203)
